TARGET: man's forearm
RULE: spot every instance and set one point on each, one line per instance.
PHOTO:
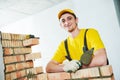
(54, 67)
(99, 59)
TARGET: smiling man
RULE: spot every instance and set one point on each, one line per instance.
(75, 43)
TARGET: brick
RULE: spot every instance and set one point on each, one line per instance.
(86, 73)
(18, 74)
(31, 42)
(33, 56)
(98, 73)
(6, 43)
(108, 78)
(24, 78)
(42, 76)
(8, 51)
(58, 76)
(8, 76)
(106, 70)
(10, 59)
(29, 64)
(18, 36)
(9, 68)
(20, 58)
(22, 50)
(6, 36)
(39, 69)
(36, 70)
(20, 66)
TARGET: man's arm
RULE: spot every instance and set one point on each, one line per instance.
(99, 59)
(54, 66)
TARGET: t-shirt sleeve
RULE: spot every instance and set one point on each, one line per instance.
(94, 40)
(59, 54)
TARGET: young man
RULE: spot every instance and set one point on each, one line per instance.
(75, 42)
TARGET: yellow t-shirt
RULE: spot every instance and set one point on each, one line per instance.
(75, 45)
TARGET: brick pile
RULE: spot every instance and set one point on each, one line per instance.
(18, 56)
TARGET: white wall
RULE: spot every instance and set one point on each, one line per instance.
(1, 64)
(99, 14)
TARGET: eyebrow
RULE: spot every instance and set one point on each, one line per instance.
(67, 17)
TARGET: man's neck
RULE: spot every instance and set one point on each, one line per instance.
(75, 32)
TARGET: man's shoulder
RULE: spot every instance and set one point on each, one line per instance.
(89, 29)
(93, 30)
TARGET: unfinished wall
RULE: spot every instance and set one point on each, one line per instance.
(18, 56)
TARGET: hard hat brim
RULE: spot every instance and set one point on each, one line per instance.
(65, 11)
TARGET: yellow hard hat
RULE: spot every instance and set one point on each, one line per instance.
(65, 11)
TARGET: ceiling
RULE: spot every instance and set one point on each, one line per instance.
(13, 10)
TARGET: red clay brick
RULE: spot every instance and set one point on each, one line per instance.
(35, 70)
(39, 69)
(31, 42)
(24, 78)
(108, 78)
(8, 76)
(6, 43)
(8, 51)
(6, 36)
(18, 36)
(33, 56)
(10, 59)
(42, 76)
(29, 64)
(18, 74)
(20, 58)
(22, 50)
(85, 73)
(10, 68)
(106, 70)
(58, 76)
(20, 66)
(94, 72)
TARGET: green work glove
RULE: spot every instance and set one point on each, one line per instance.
(72, 66)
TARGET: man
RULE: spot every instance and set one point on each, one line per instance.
(75, 40)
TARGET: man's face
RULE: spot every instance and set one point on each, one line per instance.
(68, 22)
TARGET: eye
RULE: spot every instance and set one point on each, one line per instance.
(69, 18)
(62, 20)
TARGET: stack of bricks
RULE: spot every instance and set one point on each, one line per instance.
(18, 56)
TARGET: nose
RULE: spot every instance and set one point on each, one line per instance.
(66, 23)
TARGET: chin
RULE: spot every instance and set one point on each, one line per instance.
(71, 30)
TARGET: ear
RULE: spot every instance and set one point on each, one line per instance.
(76, 19)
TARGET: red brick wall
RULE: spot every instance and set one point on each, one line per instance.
(18, 56)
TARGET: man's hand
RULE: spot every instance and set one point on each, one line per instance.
(71, 66)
